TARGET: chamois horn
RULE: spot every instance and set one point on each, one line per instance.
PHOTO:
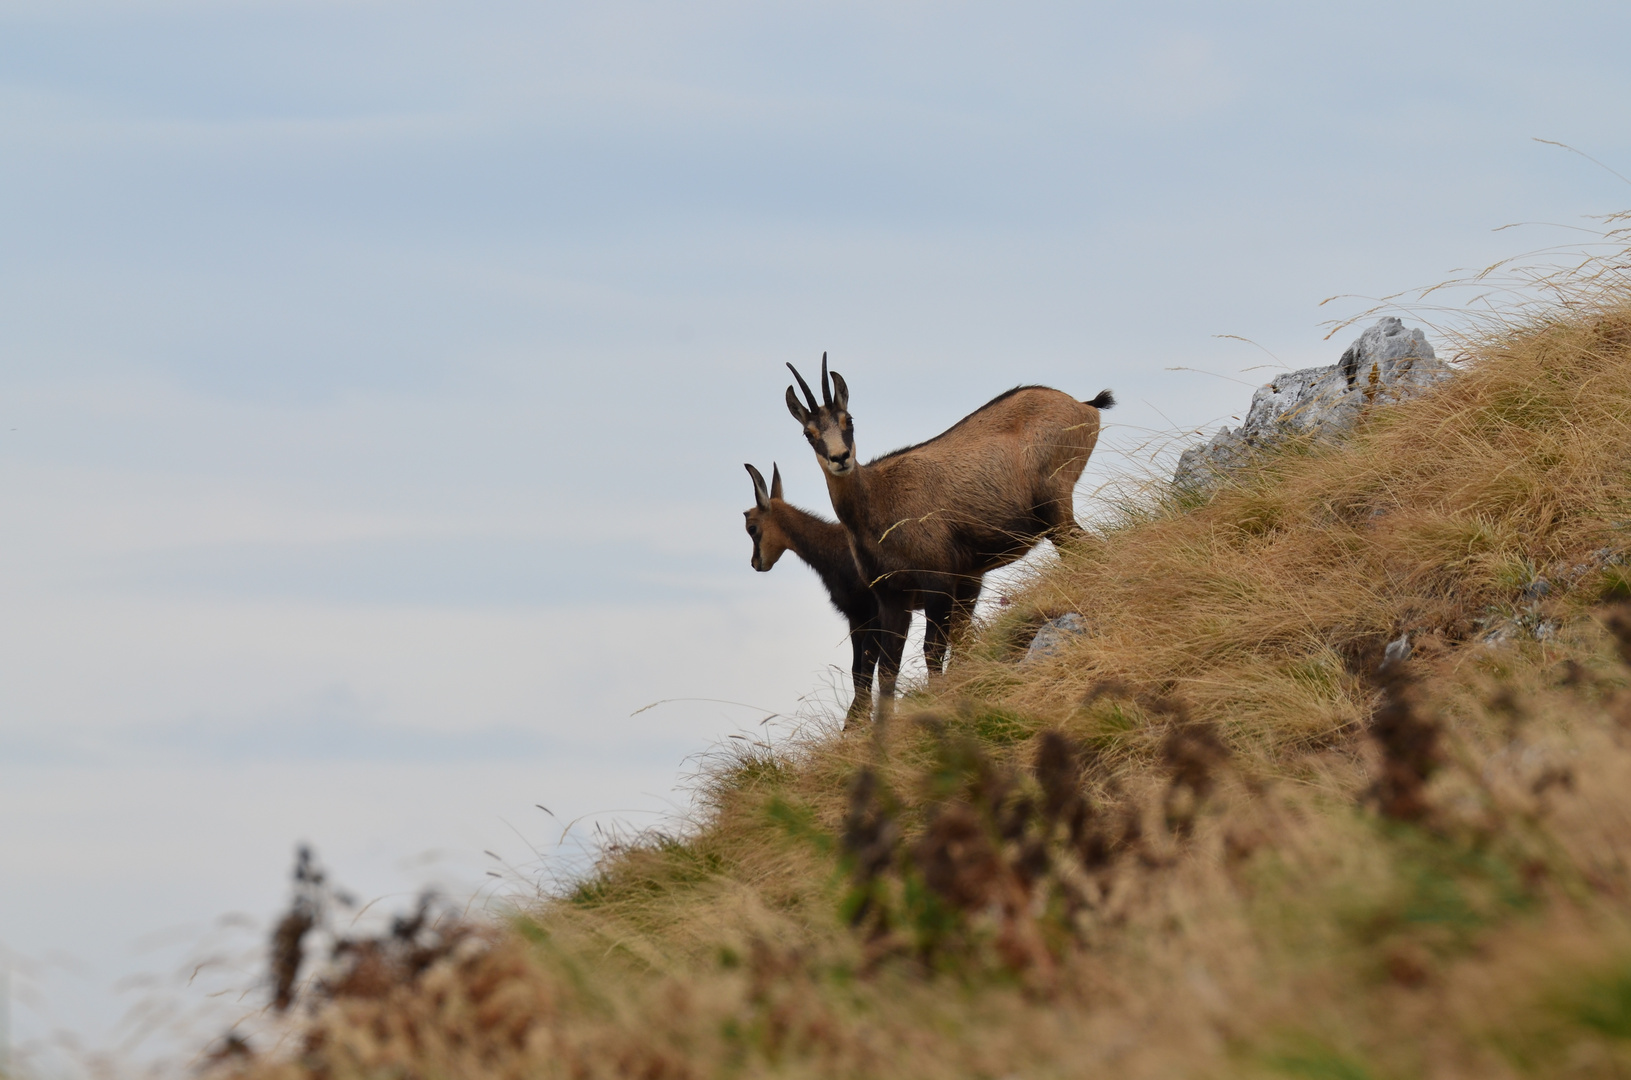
(826, 386)
(761, 494)
(809, 397)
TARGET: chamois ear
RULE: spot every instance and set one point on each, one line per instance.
(800, 413)
(775, 481)
(840, 392)
(761, 497)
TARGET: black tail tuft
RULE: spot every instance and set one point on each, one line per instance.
(1105, 400)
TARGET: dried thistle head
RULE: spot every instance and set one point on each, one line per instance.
(868, 843)
(957, 858)
(1618, 621)
(1193, 751)
(288, 954)
(1059, 773)
(308, 906)
(1408, 739)
(870, 831)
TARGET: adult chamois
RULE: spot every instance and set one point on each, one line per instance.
(927, 521)
(777, 526)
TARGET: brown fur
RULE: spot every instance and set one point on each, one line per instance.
(777, 526)
(930, 520)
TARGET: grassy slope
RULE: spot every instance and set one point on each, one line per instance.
(1205, 878)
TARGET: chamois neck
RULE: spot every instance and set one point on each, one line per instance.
(821, 543)
(848, 494)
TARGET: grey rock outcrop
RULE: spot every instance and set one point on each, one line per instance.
(1387, 363)
(1053, 634)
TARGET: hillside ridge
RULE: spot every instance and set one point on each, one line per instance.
(1225, 834)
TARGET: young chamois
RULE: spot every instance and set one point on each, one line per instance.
(927, 521)
(777, 526)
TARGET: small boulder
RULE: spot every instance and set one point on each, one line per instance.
(1387, 363)
(1053, 634)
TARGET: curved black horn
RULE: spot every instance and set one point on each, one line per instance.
(761, 495)
(803, 386)
(826, 387)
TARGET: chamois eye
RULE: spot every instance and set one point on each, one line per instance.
(753, 531)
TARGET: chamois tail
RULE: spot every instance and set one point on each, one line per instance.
(1105, 400)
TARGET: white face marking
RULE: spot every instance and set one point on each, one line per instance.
(829, 442)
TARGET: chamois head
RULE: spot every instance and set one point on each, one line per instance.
(827, 426)
(769, 541)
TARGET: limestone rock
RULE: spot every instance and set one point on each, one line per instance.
(1387, 363)
(1053, 634)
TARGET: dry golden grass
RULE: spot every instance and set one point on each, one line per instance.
(1261, 858)
(1433, 517)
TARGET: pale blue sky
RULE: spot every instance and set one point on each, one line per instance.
(375, 378)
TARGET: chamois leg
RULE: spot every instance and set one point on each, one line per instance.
(963, 599)
(864, 648)
(894, 621)
(937, 617)
(1059, 520)
(1068, 533)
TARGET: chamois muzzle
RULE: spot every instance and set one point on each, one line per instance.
(839, 464)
